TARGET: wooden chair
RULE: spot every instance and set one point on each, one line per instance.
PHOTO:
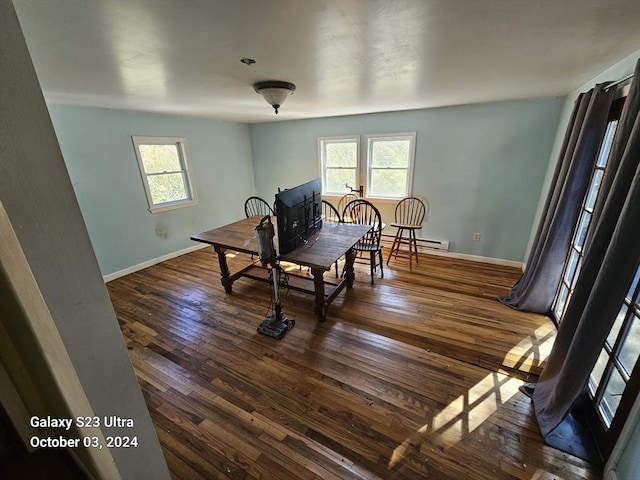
(330, 215)
(346, 199)
(257, 206)
(409, 216)
(362, 212)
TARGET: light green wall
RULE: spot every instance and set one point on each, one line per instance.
(97, 148)
(471, 162)
(479, 167)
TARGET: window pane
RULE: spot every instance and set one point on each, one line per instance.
(562, 299)
(160, 158)
(574, 258)
(167, 188)
(612, 394)
(341, 154)
(603, 156)
(576, 275)
(598, 369)
(634, 285)
(593, 189)
(388, 183)
(336, 179)
(390, 153)
(631, 347)
(582, 229)
(615, 330)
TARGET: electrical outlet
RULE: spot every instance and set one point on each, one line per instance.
(476, 236)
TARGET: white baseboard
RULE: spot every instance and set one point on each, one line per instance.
(149, 263)
(387, 240)
(478, 258)
(154, 261)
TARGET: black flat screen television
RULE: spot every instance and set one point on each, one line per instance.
(299, 214)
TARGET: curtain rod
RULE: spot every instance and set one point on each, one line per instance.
(618, 82)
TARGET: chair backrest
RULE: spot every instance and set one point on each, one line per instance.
(363, 212)
(410, 211)
(257, 206)
(346, 199)
(330, 213)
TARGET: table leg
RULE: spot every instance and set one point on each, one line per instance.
(224, 268)
(320, 306)
(349, 274)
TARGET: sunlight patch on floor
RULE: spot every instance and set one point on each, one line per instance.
(533, 350)
(463, 415)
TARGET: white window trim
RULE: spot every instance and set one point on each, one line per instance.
(192, 198)
(363, 167)
(322, 141)
(412, 153)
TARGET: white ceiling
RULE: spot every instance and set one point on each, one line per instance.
(345, 56)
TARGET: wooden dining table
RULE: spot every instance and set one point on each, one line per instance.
(319, 253)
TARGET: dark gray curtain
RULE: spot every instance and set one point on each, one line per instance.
(536, 288)
(612, 254)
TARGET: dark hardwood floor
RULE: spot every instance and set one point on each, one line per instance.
(413, 377)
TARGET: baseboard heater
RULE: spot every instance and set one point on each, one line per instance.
(424, 244)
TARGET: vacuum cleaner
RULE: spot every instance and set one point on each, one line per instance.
(275, 326)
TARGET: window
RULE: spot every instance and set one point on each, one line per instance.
(390, 165)
(383, 170)
(165, 170)
(618, 357)
(573, 261)
(339, 163)
(614, 382)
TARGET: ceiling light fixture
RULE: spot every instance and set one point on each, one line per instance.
(274, 91)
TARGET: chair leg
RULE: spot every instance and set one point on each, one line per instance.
(395, 246)
(413, 241)
(372, 263)
(410, 249)
(415, 246)
(381, 262)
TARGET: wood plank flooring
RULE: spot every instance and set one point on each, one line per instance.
(414, 377)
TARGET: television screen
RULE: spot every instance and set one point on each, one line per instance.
(299, 214)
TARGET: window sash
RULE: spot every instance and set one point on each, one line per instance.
(375, 191)
(573, 263)
(618, 357)
(329, 184)
(366, 171)
(150, 180)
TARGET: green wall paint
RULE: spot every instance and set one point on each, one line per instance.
(471, 163)
(98, 151)
(479, 167)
